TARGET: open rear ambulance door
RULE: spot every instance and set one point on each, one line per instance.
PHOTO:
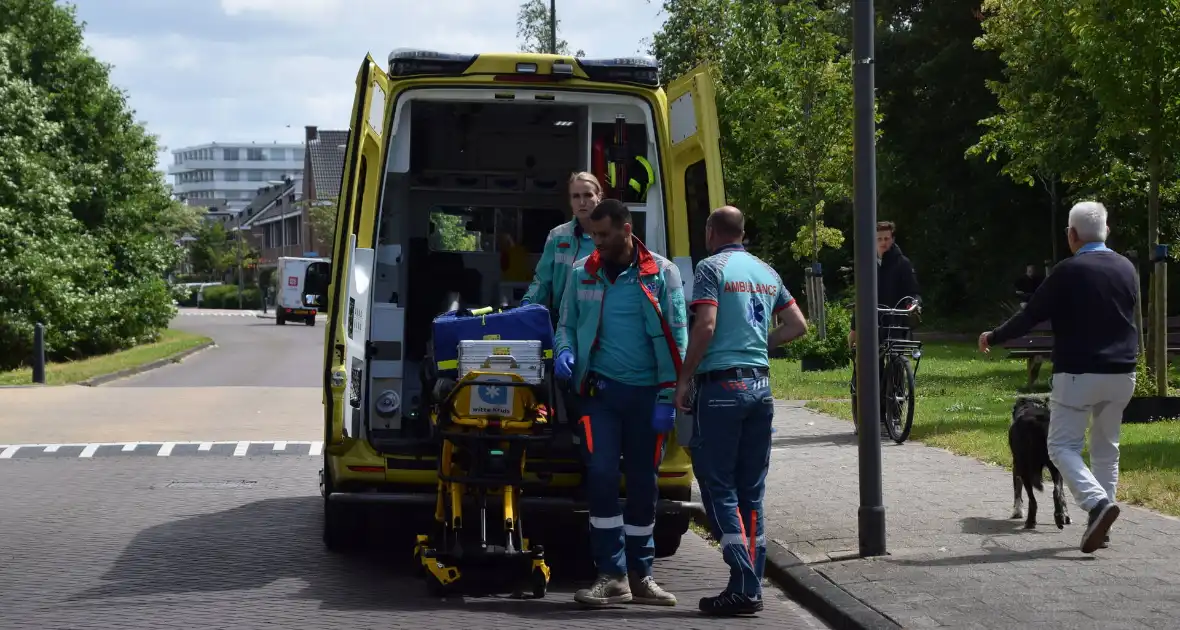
(696, 183)
(352, 266)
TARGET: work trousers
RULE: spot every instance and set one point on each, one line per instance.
(1075, 398)
(617, 421)
(730, 458)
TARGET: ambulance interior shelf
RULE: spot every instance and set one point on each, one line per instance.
(618, 158)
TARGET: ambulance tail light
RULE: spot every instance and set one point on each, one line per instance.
(641, 70)
(406, 62)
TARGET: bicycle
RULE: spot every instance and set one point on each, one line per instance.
(899, 355)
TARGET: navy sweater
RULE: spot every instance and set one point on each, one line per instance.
(1089, 301)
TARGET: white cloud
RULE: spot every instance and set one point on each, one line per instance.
(260, 70)
(299, 11)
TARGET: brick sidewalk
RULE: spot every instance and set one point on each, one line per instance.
(955, 559)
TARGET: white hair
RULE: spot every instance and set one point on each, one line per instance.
(1088, 219)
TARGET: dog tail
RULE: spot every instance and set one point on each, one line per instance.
(1034, 477)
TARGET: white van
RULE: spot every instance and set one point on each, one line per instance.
(300, 280)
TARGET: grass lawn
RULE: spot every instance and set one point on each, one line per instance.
(964, 404)
(170, 343)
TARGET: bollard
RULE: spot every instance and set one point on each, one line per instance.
(39, 353)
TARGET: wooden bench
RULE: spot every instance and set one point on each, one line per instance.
(1037, 345)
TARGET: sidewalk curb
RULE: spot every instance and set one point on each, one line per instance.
(829, 602)
(159, 363)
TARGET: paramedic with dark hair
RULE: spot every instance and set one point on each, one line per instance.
(620, 341)
(734, 297)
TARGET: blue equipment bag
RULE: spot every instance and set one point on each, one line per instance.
(527, 323)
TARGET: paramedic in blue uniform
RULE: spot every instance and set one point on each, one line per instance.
(733, 298)
(620, 341)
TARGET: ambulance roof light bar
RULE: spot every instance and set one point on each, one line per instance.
(405, 62)
(644, 70)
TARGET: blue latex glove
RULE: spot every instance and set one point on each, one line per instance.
(664, 418)
(564, 366)
(524, 302)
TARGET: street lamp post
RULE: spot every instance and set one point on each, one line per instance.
(871, 516)
(238, 248)
(553, 27)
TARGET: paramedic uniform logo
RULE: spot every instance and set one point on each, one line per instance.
(492, 400)
(755, 312)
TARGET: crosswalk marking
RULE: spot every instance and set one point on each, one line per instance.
(91, 450)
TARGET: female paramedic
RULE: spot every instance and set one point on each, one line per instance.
(566, 243)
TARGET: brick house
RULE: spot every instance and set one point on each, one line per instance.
(277, 221)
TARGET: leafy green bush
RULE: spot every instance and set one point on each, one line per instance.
(226, 296)
(832, 350)
(87, 229)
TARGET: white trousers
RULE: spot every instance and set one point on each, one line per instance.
(1075, 398)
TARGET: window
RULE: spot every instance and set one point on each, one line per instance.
(696, 198)
(233, 176)
(230, 154)
(254, 155)
(279, 155)
(254, 176)
(491, 229)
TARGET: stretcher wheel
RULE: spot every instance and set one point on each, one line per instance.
(540, 584)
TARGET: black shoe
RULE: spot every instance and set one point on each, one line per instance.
(1102, 516)
(729, 604)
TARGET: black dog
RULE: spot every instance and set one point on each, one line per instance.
(1028, 439)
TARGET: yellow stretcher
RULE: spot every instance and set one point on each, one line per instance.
(482, 459)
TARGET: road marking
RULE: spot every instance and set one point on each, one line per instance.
(168, 449)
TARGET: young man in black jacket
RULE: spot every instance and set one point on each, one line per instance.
(896, 281)
(1089, 300)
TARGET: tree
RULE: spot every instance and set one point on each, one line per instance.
(1128, 52)
(784, 94)
(1048, 115)
(322, 214)
(207, 254)
(533, 24)
(1091, 97)
(85, 222)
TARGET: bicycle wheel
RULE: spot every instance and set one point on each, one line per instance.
(898, 396)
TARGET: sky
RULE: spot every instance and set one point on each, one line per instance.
(198, 71)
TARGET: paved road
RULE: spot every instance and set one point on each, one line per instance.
(251, 351)
(215, 541)
(955, 558)
(176, 532)
(260, 382)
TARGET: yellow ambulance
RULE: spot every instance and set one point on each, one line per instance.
(451, 158)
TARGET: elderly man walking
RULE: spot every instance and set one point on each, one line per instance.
(1090, 303)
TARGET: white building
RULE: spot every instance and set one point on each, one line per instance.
(231, 173)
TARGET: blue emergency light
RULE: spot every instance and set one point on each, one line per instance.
(405, 62)
(642, 70)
